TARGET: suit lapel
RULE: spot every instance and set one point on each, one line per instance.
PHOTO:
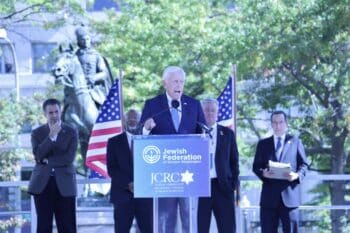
(184, 112)
(46, 130)
(62, 133)
(271, 147)
(219, 141)
(287, 143)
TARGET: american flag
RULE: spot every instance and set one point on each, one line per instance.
(226, 116)
(108, 124)
(226, 105)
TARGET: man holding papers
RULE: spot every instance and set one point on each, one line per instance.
(280, 162)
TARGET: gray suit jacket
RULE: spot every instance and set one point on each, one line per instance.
(272, 189)
(60, 156)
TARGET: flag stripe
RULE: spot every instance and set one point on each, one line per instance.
(93, 152)
(100, 132)
(101, 138)
(108, 124)
(97, 145)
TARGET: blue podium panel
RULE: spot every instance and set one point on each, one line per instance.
(171, 166)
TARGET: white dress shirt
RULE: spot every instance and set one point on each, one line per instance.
(179, 109)
(212, 151)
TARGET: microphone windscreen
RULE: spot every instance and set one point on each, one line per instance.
(175, 104)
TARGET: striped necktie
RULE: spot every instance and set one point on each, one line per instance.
(278, 147)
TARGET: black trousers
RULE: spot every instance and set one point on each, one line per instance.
(140, 208)
(51, 203)
(222, 205)
(270, 217)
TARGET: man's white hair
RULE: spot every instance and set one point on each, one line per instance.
(173, 69)
(209, 101)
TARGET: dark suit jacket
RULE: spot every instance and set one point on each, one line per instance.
(293, 153)
(60, 155)
(120, 168)
(157, 108)
(226, 160)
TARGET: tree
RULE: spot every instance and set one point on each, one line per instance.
(300, 51)
(13, 12)
(290, 54)
(13, 117)
(147, 36)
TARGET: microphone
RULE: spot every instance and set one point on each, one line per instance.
(175, 104)
(159, 113)
(206, 129)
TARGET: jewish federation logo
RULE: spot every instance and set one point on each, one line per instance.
(151, 154)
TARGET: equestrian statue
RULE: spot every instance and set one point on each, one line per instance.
(86, 78)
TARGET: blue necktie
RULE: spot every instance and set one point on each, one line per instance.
(175, 117)
(278, 146)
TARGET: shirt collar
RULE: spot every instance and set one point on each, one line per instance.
(275, 137)
(214, 126)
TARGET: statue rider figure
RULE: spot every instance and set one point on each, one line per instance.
(94, 66)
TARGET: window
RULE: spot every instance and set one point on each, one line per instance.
(43, 57)
(6, 59)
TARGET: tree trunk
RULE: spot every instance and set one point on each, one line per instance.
(337, 188)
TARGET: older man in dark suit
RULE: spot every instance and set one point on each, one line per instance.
(172, 113)
(280, 198)
(120, 169)
(224, 171)
(53, 181)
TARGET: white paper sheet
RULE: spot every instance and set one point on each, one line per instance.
(279, 170)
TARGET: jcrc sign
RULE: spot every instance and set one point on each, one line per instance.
(171, 166)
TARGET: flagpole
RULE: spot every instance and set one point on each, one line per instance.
(234, 96)
(120, 87)
(234, 110)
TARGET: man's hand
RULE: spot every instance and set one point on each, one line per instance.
(55, 129)
(149, 124)
(267, 173)
(291, 176)
(131, 187)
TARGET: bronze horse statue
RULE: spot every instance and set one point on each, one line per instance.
(80, 110)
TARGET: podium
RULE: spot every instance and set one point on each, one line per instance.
(174, 171)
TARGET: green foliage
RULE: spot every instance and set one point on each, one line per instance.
(290, 54)
(12, 222)
(147, 37)
(14, 116)
(13, 12)
(298, 52)
(11, 115)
